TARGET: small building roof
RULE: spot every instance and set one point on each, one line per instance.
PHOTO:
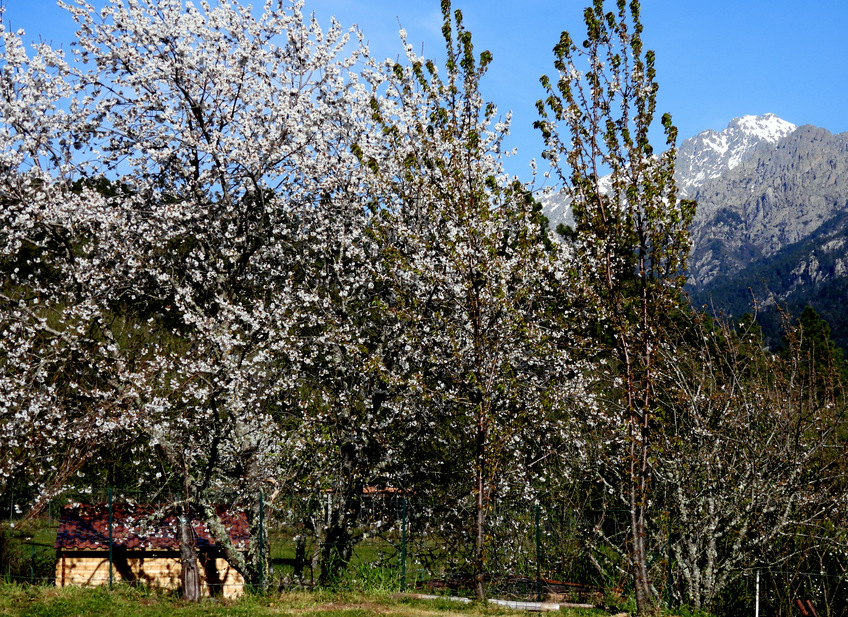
(139, 527)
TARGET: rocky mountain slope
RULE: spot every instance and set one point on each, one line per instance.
(711, 154)
(773, 232)
(780, 195)
(771, 224)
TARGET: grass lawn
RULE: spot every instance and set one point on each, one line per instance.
(35, 601)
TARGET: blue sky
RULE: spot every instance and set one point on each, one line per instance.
(716, 59)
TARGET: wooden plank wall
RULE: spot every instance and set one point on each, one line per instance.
(159, 571)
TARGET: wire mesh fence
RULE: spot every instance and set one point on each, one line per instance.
(397, 542)
(27, 553)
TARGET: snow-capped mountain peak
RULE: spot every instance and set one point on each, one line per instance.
(708, 155)
(767, 127)
(711, 153)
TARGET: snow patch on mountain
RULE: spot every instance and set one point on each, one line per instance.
(767, 127)
(711, 153)
(557, 208)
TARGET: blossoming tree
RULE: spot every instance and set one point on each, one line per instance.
(180, 295)
(474, 282)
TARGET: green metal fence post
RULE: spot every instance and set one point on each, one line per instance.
(403, 549)
(538, 555)
(32, 561)
(261, 542)
(668, 558)
(111, 561)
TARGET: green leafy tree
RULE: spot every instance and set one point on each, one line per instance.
(820, 361)
(631, 239)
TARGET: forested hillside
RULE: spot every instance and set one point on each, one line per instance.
(770, 234)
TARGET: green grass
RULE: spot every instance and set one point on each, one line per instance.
(27, 553)
(375, 565)
(123, 601)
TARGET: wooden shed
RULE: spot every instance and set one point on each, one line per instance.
(145, 548)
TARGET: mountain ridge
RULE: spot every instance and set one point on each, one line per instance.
(771, 222)
(710, 153)
(779, 195)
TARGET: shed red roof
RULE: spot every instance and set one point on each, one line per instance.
(138, 527)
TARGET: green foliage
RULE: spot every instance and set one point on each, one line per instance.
(566, 611)
(822, 358)
(371, 578)
(631, 240)
(685, 611)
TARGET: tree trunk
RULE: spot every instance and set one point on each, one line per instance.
(336, 552)
(480, 522)
(641, 581)
(299, 557)
(246, 565)
(340, 535)
(638, 505)
(190, 572)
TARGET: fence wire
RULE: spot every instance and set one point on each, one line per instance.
(400, 542)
